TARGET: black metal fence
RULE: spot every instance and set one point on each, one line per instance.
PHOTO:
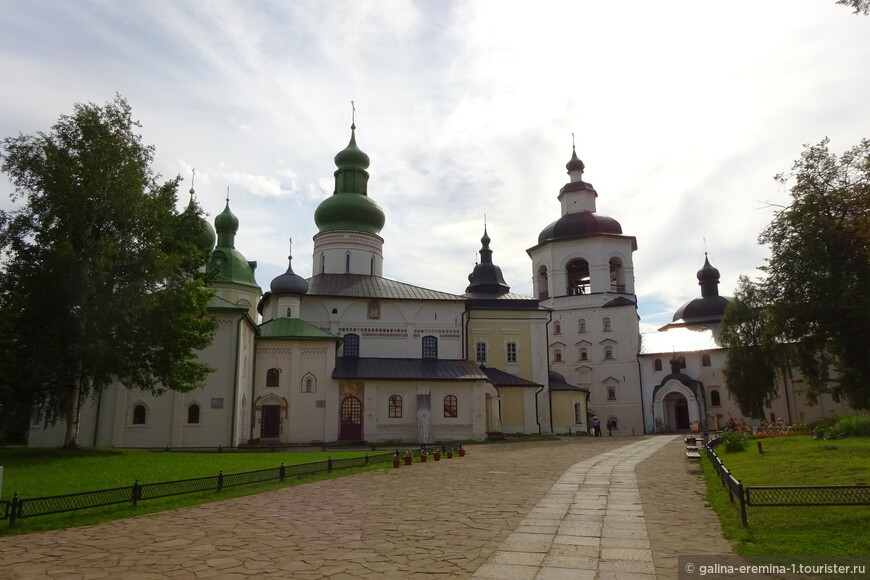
(18, 508)
(769, 496)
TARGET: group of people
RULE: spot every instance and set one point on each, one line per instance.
(596, 426)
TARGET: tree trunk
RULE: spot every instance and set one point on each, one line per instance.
(73, 415)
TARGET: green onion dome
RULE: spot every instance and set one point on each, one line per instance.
(206, 238)
(349, 207)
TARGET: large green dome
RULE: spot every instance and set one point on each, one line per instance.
(349, 207)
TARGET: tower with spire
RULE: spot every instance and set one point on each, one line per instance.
(583, 271)
(234, 274)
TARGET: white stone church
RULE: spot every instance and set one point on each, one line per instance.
(348, 355)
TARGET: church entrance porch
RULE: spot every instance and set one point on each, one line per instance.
(270, 426)
(676, 407)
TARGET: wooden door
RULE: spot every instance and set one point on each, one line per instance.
(270, 425)
(351, 420)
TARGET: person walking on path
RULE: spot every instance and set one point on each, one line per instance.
(596, 427)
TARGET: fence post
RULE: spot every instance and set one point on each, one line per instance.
(329, 465)
(367, 458)
(282, 472)
(743, 499)
(13, 510)
(134, 493)
(220, 485)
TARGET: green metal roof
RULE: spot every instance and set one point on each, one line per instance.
(218, 303)
(293, 328)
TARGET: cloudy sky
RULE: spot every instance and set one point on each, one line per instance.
(683, 112)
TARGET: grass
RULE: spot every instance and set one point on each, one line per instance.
(45, 472)
(797, 530)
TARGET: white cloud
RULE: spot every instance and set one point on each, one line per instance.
(682, 111)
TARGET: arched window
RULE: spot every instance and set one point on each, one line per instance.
(705, 360)
(557, 355)
(193, 414)
(430, 347)
(715, 399)
(395, 407)
(581, 327)
(351, 345)
(372, 266)
(578, 277)
(374, 310)
(451, 407)
(557, 327)
(543, 290)
(347, 263)
(657, 364)
(139, 414)
(308, 384)
(322, 263)
(608, 352)
(584, 354)
(611, 393)
(272, 376)
(606, 325)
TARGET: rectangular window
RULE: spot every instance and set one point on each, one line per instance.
(611, 393)
(511, 352)
(578, 409)
(480, 352)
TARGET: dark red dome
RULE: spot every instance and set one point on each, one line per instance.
(579, 224)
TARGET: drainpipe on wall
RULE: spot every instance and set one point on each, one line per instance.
(549, 396)
(236, 380)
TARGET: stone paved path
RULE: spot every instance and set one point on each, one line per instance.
(434, 520)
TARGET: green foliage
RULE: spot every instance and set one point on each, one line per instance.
(101, 281)
(755, 359)
(734, 441)
(856, 424)
(812, 311)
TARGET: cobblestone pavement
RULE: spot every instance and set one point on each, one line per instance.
(443, 519)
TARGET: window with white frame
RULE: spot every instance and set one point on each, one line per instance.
(511, 352)
(581, 326)
(480, 352)
(606, 326)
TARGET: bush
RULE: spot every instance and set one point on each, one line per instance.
(734, 441)
(855, 424)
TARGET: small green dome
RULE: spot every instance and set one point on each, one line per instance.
(206, 238)
(352, 157)
(226, 221)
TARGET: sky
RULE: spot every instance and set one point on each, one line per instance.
(682, 111)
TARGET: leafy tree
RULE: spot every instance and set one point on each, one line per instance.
(102, 280)
(755, 359)
(817, 288)
(860, 6)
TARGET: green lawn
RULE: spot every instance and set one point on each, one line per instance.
(45, 472)
(798, 460)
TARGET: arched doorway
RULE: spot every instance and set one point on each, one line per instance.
(351, 419)
(676, 407)
(677, 411)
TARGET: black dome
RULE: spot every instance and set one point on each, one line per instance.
(289, 282)
(706, 309)
(579, 224)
